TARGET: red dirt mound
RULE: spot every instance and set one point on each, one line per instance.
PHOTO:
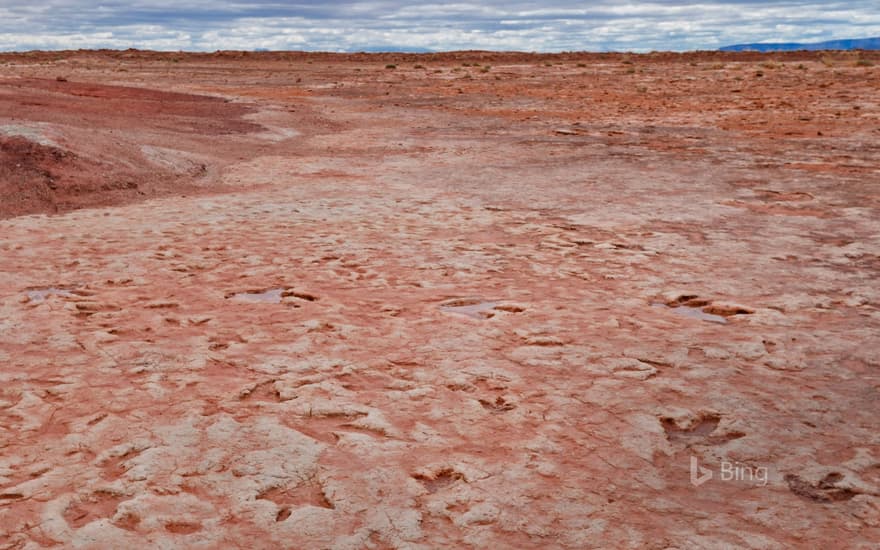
(36, 178)
(101, 135)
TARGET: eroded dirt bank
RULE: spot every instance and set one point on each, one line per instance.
(463, 300)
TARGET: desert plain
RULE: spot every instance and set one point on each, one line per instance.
(462, 300)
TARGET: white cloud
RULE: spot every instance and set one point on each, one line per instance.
(353, 25)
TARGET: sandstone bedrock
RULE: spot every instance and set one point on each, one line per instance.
(463, 300)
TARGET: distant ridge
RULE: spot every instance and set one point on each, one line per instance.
(847, 44)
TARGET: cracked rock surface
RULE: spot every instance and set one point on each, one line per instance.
(306, 301)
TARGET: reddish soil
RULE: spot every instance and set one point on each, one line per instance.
(296, 300)
(98, 158)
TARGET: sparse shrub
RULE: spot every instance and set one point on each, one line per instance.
(759, 74)
(581, 65)
(418, 67)
(486, 69)
(391, 66)
(864, 63)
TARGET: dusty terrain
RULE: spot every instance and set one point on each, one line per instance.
(464, 300)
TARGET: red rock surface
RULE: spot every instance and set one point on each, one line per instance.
(474, 300)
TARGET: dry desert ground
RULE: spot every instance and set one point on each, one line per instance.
(464, 300)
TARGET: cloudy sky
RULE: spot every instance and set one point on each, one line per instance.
(394, 25)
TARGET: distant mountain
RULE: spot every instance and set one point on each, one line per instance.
(849, 44)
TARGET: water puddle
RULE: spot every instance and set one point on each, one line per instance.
(271, 296)
(694, 313)
(40, 294)
(471, 307)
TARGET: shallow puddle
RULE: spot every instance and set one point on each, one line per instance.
(694, 313)
(271, 296)
(40, 294)
(474, 308)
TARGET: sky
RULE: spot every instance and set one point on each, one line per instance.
(379, 25)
